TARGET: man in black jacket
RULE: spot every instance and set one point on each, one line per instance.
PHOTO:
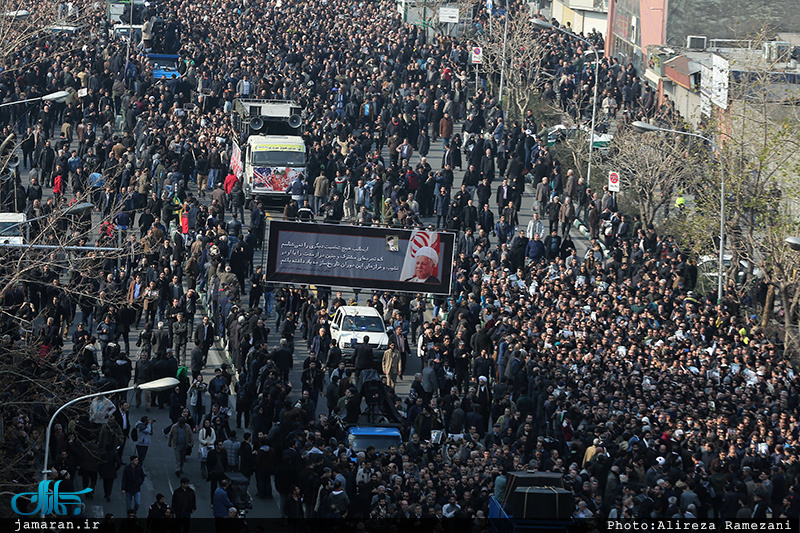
(334, 356)
(123, 418)
(363, 356)
(469, 216)
(33, 193)
(487, 166)
(483, 192)
(47, 159)
(217, 465)
(204, 337)
(184, 503)
(552, 245)
(132, 479)
(283, 359)
(246, 458)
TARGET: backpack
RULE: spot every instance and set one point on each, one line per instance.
(134, 434)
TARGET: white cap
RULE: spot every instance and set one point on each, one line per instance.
(661, 461)
(427, 251)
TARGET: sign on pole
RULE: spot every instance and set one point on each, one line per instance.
(448, 15)
(613, 181)
(476, 56)
(489, 5)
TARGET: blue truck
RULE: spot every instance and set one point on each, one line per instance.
(165, 66)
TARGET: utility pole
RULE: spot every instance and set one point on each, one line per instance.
(503, 65)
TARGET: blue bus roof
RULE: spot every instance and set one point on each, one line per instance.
(371, 430)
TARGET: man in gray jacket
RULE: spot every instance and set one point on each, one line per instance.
(429, 381)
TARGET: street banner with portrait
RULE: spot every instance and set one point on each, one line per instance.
(360, 257)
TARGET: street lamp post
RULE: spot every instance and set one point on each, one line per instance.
(58, 96)
(158, 384)
(644, 127)
(546, 25)
(503, 67)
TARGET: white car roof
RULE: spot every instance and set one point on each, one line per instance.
(359, 310)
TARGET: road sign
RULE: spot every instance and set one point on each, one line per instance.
(448, 15)
(613, 182)
(476, 56)
(489, 5)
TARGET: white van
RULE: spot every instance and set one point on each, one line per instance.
(352, 323)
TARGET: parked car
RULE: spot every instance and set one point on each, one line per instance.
(560, 132)
(707, 266)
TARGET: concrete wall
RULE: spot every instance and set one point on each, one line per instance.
(728, 19)
(576, 13)
(687, 103)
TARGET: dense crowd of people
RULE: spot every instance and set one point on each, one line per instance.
(651, 399)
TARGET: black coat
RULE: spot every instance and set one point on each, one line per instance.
(132, 478)
(201, 337)
(469, 217)
(131, 422)
(363, 356)
(283, 358)
(109, 464)
(246, 459)
(334, 356)
(214, 460)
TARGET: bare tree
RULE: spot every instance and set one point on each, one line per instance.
(652, 169)
(39, 370)
(524, 51)
(31, 24)
(779, 270)
(31, 390)
(426, 13)
(758, 139)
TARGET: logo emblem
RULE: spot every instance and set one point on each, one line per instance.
(48, 502)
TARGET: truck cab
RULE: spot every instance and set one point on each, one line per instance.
(359, 438)
(272, 163)
(13, 228)
(126, 11)
(269, 152)
(127, 18)
(165, 66)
